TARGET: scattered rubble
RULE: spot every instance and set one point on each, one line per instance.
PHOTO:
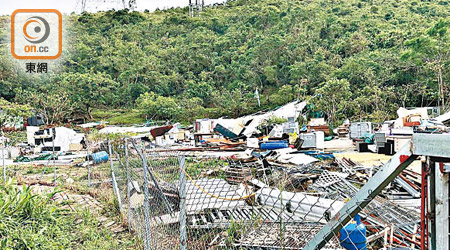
(286, 172)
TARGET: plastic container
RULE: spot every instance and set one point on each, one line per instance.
(99, 157)
(353, 236)
(274, 145)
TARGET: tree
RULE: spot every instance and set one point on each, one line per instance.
(87, 91)
(155, 106)
(54, 104)
(111, 58)
(432, 50)
(334, 99)
(11, 112)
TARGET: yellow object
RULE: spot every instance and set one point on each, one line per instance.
(292, 137)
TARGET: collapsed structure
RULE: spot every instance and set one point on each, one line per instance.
(262, 181)
(280, 185)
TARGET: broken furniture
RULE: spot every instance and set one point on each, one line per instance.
(312, 140)
(359, 129)
(55, 139)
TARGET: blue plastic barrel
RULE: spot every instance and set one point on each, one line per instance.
(353, 236)
(274, 145)
(99, 157)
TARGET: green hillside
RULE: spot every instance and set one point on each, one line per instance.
(351, 59)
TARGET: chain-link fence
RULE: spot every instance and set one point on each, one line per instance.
(178, 199)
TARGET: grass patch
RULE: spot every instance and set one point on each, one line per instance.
(118, 116)
(30, 221)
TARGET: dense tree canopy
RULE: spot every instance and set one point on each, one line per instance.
(357, 59)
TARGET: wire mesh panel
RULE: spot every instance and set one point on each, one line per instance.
(148, 185)
(184, 200)
(233, 204)
(164, 201)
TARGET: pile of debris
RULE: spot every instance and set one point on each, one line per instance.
(274, 169)
(284, 186)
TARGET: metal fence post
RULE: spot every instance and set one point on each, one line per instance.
(113, 177)
(88, 165)
(127, 165)
(89, 174)
(3, 158)
(182, 162)
(53, 155)
(146, 199)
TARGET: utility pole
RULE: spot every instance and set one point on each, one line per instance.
(82, 4)
(132, 5)
(196, 7)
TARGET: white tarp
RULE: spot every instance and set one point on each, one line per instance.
(30, 134)
(402, 112)
(63, 138)
(443, 118)
(290, 110)
(121, 130)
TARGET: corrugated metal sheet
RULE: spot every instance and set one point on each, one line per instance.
(197, 200)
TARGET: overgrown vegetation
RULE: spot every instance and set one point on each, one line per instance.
(357, 59)
(29, 221)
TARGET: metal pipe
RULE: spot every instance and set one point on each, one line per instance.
(423, 210)
(113, 177)
(432, 204)
(146, 201)
(182, 162)
(127, 165)
(53, 155)
(89, 173)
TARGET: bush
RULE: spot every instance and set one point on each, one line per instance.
(158, 107)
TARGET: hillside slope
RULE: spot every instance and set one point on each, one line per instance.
(351, 58)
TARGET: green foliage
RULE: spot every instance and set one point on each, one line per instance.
(431, 50)
(334, 98)
(16, 137)
(158, 107)
(192, 109)
(392, 54)
(118, 116)
(275, 120)
(11, 113)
